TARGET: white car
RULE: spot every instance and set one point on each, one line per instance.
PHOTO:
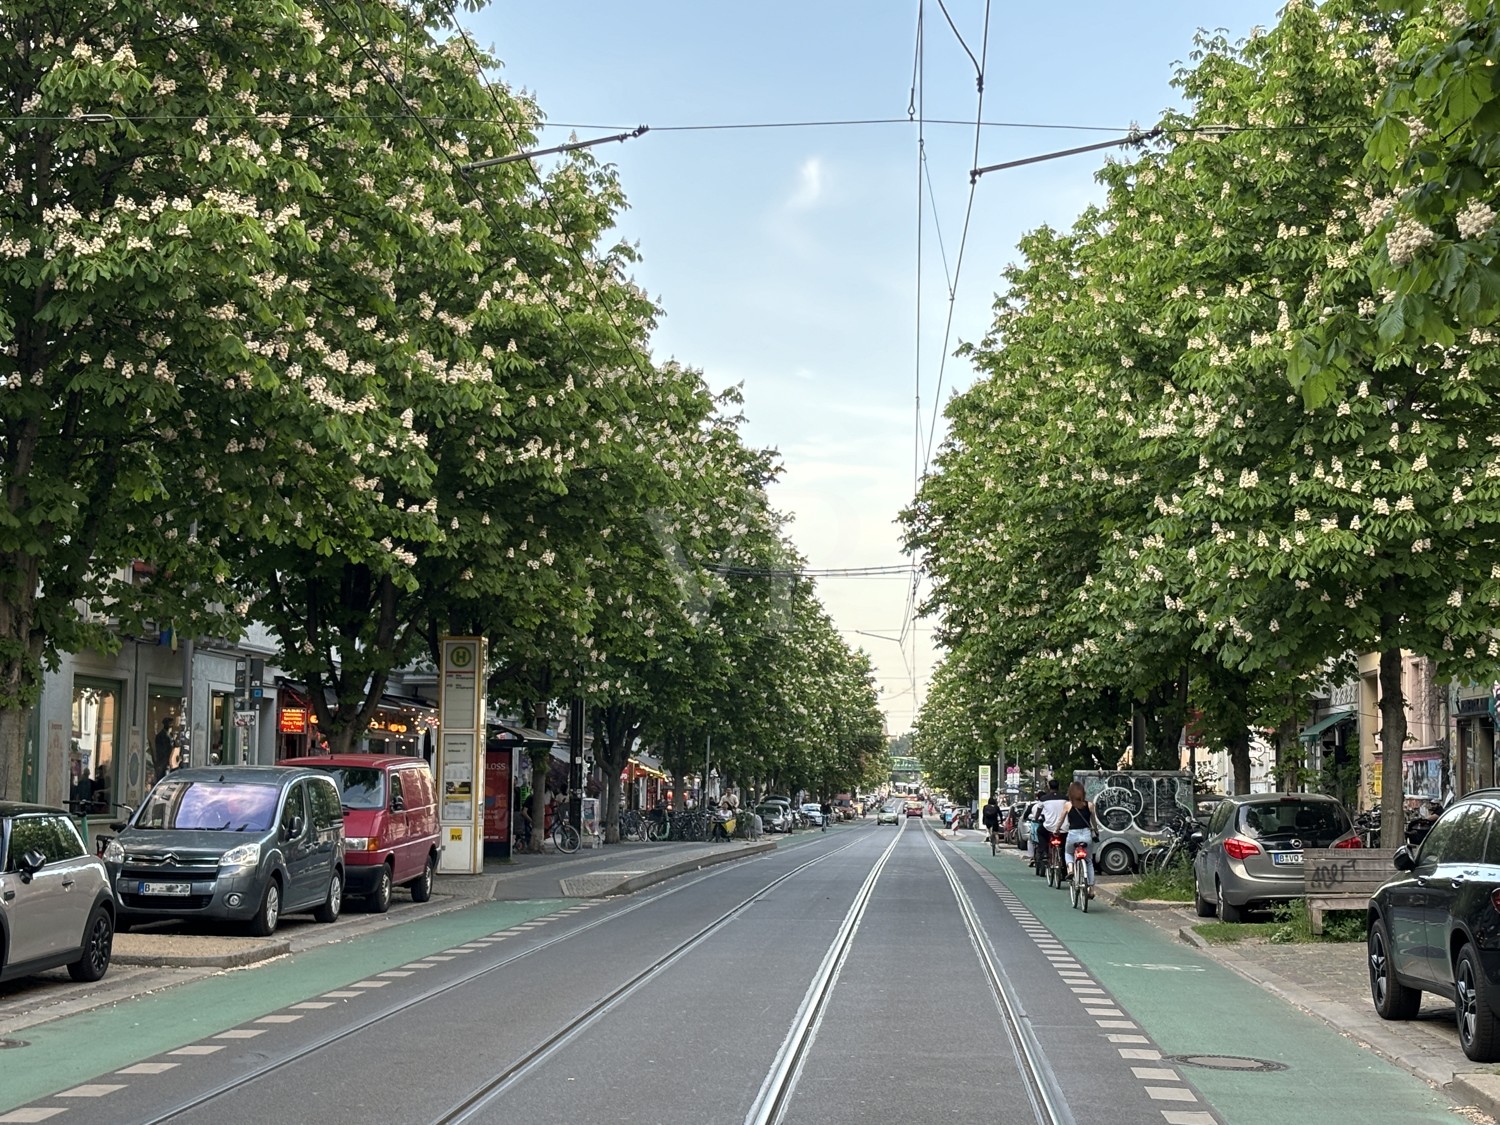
(814, 813)
(889, 813)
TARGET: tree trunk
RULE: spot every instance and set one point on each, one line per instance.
(1239, 759)
(1392, 742)
(13, 751)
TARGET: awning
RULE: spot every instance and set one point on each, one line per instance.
(1311, 733)
(514, 733)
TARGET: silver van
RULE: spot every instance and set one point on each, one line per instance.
(245, 843)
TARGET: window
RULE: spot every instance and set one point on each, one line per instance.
(167, 749)
(53, 836)
(398, 801)
(218, 806)
(326, 810)
(94, 754)
(296, 806)
(1464, 837)
(1438, 842)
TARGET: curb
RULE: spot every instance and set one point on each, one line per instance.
(233, 960)
(661, 874)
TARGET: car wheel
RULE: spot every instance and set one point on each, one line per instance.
(98, 942)
(421, 890)
(1478, 1030)
(378, 901)
(1114, 860)
(1393, 1000)
(1201, 906)
(1227, 913)
(264, 922)
(328, 909)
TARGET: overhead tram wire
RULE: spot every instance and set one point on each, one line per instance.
(963, 240)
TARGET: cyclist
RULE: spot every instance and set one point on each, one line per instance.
(1054, 804)
(1077, 819)
(991, 818)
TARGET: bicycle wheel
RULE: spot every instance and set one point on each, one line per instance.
(1075, 880)
(566, 838)
(659, 830)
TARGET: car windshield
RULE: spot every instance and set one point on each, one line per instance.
(1316, 823)
(360, 787)
(220, 806)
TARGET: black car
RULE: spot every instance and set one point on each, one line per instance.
(1435, 926)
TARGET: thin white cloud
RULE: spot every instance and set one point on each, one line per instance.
(809, 185)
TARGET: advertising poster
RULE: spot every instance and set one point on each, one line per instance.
(497, 790)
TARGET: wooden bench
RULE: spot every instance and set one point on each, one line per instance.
(1342, 879)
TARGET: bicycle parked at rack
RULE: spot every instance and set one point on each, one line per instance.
(1180, 847)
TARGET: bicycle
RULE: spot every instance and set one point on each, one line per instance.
(1056, 868)
(565, 837)
(1078, 876)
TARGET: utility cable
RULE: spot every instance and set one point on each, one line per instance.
(937, 402)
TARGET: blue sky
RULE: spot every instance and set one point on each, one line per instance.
(786, 258)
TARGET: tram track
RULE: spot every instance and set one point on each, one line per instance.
(1043, 1090)
(476, 1099)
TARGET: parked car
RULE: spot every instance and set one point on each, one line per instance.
(244, 843)
(774, 816)
(793, 814)
(391, 834)
(890, 813)
(1252, 852)
(1433, 924)
(814, 813)
(55, 903)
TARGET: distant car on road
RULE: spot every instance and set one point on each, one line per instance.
(890, 813)
(1432, 925)
(1252, 853)
(913, 808)
(774, 816)
(55, 902)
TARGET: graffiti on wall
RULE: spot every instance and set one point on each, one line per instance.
(1145, 802)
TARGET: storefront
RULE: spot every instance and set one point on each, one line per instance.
(1474, 721)
(402, 725)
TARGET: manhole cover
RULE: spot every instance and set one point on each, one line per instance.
(1228, 1062)
(4, 1043)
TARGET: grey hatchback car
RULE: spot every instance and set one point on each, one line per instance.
(1252, 851)
(246, 843)
(55, 905)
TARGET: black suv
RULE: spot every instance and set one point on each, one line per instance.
(1435, 926)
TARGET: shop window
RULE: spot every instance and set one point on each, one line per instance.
(223, 735)
(169, 749)
(94, 750)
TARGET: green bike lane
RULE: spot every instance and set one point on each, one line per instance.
(1189, 1004)
(71, 1050)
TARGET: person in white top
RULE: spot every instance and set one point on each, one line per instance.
(1054, 805)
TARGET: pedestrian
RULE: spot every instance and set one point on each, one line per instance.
(164, 747)
(82, 798)
(1077, 819)
(827, 810)
(523, 828)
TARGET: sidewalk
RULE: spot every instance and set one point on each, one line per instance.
(1330, 982)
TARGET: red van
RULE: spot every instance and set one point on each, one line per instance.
(390, 824)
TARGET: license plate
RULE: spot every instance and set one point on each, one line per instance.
(179, 889)
(1294, 858)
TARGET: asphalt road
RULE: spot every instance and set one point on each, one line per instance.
(866, 974)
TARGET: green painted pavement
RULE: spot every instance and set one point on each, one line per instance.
(1190, 1004)
(66, 1052)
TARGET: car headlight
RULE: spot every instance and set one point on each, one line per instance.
(356, 843)
(114, 852)
(246, 855)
